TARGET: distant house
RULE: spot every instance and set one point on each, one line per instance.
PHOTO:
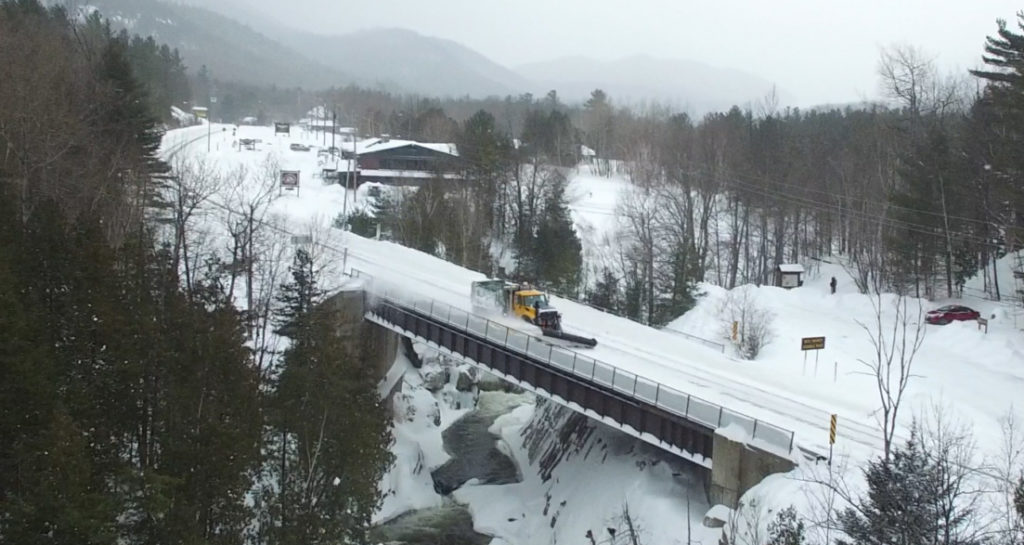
(406, 162)
(588, 155)
(789, 275)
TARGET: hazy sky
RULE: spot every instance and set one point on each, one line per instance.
(817, 50)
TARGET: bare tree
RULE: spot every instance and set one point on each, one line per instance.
(753, 322)
(746, 525)
(247, 207)
(896, 344)
(950, 443)
(193, 184)
(907, 76)
(1005, 474)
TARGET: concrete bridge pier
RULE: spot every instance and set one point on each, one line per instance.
(738, 467)
(382, 343)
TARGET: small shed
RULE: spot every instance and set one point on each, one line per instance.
(789, 275)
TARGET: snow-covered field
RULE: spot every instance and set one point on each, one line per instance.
(978, 375)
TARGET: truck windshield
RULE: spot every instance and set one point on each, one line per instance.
(540, 301)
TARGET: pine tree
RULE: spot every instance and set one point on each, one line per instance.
(336, 437)
(298, 297)
(786, 529)
(905, 502)
(605, 294)
(129, 121)
(556, 248)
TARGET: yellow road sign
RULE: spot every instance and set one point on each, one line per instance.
(812, 343)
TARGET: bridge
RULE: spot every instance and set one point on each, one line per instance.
(738, 450)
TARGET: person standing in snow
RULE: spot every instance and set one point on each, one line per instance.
(832, 285)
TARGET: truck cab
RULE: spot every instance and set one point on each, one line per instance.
(533, 306)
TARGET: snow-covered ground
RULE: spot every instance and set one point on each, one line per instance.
(978, 375)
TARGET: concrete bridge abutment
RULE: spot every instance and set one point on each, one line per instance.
(737, 467)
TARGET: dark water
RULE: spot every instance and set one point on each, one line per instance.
(450, 524)
(474, 455)
(473, 450)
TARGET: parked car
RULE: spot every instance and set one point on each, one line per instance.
(951, 313)
(299, 147)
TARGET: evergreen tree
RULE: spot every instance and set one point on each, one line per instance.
(999, 127)
(677, 292)
(556, 248)
(129, 121)
(298, 297)
(605, 293)
(905, 502)
(786, 529)
(335, 434)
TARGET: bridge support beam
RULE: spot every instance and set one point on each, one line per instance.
(738, 467)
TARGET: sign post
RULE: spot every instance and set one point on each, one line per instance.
(290, 181)
(812, 343)
(831, 437)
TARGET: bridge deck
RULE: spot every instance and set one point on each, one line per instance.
(662, 416)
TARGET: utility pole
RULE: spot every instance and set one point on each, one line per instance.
(351, 174)
(334, 130)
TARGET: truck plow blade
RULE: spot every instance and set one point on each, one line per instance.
(577, 339)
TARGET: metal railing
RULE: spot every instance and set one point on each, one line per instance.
(596, 372)
(706, 342)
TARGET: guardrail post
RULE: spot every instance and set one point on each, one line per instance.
(613, 377)
(753, 434)
(431, 308)
(574, 363)
(450, 314)
(506, 337)
(487, 327)
(686, 412)
(657, 393)
(551, 351)
(721, 409)
(791, 436)
(634, 384)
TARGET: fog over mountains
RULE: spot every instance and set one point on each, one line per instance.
(237, 43)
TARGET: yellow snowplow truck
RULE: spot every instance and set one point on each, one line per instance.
(523, 301)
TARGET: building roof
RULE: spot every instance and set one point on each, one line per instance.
(379, 144)
(405, 174)
(791, 268)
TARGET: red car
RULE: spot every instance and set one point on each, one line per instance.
(949, 313)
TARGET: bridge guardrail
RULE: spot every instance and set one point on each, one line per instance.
(642, 389)
(706, 342)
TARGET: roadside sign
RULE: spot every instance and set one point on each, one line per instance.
(285, 128)
(290, 180)
(812, 343)
(302, 239)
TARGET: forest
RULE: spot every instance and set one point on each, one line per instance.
(134, 407)
(138, 404)
(915, 194)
